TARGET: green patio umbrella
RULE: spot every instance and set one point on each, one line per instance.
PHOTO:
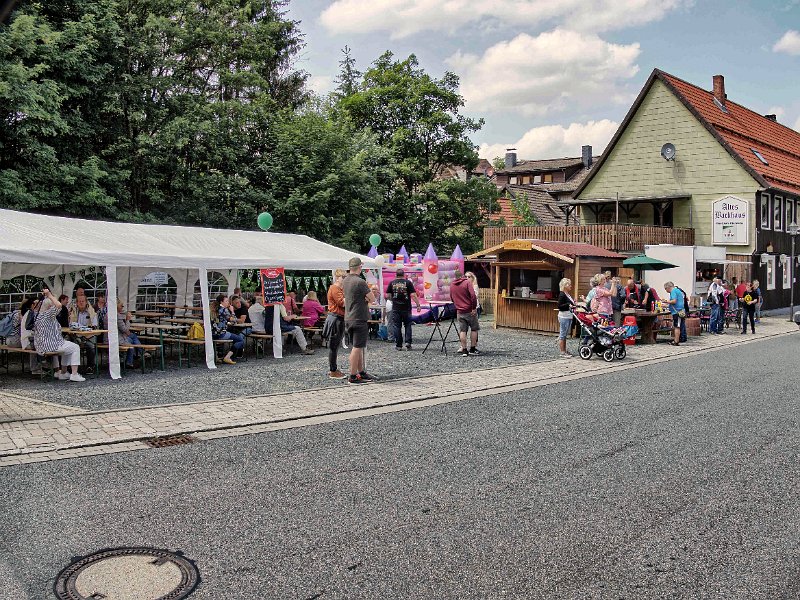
(647, 263)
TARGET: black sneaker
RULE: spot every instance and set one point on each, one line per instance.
(355, 380)
(367, 377)
(398, 348)
(474, 352)
(463, 352)
(408, 346)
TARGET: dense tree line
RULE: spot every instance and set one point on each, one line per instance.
(193, 112)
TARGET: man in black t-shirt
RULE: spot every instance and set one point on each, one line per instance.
(241, 313)
(401, 292)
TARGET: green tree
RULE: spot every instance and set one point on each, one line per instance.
(521, 207)
(499, 163)
(349, 77)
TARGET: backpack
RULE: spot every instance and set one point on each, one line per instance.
(196, 332)
(6, 326)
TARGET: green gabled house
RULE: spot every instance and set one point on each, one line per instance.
(688, 157)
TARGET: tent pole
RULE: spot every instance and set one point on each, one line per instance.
(277, 335)
(203, 276)
(111, 322)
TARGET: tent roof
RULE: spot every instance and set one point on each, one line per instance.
(43, 239)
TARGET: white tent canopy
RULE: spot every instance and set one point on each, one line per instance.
(41, 245)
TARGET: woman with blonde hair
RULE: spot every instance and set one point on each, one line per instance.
(565, 304)
(474, 281)
(312, 310)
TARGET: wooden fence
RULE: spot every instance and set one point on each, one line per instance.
(616, 237)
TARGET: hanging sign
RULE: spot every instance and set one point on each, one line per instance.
(273, 285)
(730, 218)
(155, 278)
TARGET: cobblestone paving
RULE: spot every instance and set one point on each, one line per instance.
(14, 407)
(85, 434)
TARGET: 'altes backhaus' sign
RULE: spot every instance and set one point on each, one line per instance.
(730, 220)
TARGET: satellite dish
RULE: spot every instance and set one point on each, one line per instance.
(668, 151)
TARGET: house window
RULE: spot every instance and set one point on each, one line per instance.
(789, 216)
(513, 181)
(537, 179)
(526, 180)
(778, 211)
(786, 265)
(765, 212)
(760, 156)
(771, 272)
(547, 178)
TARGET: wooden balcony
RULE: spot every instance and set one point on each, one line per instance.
(630, 239)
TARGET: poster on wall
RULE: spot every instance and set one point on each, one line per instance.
(730, 218)
(273, 285)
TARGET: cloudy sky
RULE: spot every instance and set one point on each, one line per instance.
(551, 75)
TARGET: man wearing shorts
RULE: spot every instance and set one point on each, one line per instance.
(463, 296)
(677, 307)
(357, 298)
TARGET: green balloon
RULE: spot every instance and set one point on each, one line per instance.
(265, 221)
(375, 240)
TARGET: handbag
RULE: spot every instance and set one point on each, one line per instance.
(682, 314)
(196, 332)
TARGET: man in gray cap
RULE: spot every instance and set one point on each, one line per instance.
(357, 298)
(401, 292)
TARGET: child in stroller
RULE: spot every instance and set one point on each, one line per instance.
(599, 337)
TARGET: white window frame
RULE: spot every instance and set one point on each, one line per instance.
(537, 179)
(770, 265)
(777, 210)
(512, 180)
(786, 266)
(765, 202)
(788, 213)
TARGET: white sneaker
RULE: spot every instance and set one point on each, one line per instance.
(77, 377)
(62, 376)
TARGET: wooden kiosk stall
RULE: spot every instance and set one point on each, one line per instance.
(526, 273)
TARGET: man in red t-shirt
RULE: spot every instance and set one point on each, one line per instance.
(740, 290)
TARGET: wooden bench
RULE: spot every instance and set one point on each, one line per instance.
(24, 352)
(260, 342)
(311, 332)
(152, 348)
(184, 341)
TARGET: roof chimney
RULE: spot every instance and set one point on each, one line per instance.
(511, 157)
(772, 118)
(586, 156)
(719, 89)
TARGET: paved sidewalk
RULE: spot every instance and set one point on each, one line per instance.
(83, 434)
(14, 407)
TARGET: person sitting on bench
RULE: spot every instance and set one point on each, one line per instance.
(47, 337)
(126, 336)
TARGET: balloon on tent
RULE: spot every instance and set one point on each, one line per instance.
(375, 239)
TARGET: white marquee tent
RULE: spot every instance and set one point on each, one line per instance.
(41, 245)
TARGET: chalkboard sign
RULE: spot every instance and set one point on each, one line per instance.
(273, 285)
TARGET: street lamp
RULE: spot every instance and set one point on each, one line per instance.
(792, 231)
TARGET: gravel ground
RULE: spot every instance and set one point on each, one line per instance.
(685, 486)
(264, 376)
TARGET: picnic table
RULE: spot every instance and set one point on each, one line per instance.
(161, 329)
(645, 321)
(149, 314)
(86, 334)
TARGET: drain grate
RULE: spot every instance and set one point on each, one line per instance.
(128, 573)
(165, 441)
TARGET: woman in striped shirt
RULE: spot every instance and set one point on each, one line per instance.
(47, 338)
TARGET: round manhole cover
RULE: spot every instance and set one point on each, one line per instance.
(128, 574)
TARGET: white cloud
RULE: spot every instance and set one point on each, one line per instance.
(778, 111)
(548, 73)
(401, 18)
(321, 84)
(797, 124)
(789, 43)
(555, 141)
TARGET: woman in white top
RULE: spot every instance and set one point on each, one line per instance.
(474, 281)
(47, 338)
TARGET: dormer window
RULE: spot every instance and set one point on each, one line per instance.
(759, 156)
(547, 178)
(537, 179)
(513, 180)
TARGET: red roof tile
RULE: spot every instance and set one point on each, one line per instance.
(572, 249)
(744, 130)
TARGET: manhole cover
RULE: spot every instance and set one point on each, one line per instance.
(169, 440)
(128, 574)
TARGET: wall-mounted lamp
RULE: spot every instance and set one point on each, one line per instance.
(770, 248)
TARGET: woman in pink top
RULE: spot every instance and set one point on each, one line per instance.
(601, 303)
(312, 309)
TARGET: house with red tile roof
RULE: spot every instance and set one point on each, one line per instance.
(685, 156)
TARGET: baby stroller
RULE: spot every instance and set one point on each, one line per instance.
(600, 338)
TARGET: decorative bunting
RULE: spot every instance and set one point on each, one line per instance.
(307, 282)
(316, 282)
(63, 278)
(91, 269)
(52, 280)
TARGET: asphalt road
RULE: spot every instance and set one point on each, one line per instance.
(676, 480)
